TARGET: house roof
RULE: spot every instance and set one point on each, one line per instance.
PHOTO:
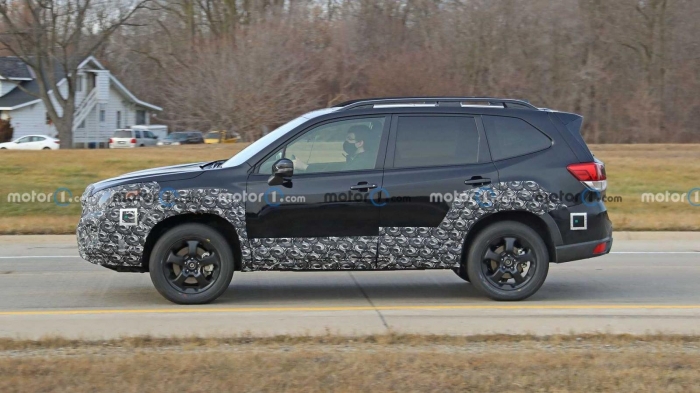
(12, 67)
(18, 98)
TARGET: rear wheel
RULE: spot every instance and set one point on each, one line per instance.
(508, 261)
(46, 148)
(191, 264)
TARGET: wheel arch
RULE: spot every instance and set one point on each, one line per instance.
(217, 222)
(544, 225)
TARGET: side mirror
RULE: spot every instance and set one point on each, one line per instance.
(282, 170)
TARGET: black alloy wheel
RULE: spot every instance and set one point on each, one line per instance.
(508, 263)
(508, 260)
(191, 264)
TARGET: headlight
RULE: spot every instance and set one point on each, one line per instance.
(105, 198)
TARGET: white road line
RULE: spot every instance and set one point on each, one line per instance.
(655, 252)
(41, 256)
(614, 252)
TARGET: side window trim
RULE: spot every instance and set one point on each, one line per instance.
(483, 154)
(292, 136)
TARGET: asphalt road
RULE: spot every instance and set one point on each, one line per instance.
(649, 284)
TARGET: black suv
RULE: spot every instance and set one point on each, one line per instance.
(494, 189)
(183, 138)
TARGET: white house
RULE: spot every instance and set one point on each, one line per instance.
(103, 104)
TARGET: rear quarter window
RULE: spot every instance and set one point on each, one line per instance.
(511, 137)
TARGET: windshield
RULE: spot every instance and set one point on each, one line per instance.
(262, 143)
(212, 135)
(122, 134)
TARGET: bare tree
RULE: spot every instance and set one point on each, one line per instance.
(53, 37)
(630, 67)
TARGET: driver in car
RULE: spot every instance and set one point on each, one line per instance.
(355, 148)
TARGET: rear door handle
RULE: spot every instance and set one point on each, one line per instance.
(477, 181)
(363, 186)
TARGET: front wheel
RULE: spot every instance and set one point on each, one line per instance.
(191, 264)
(508, 261)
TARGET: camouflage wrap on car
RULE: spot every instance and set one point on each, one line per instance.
(441, 247)
(314, 253)
(105, 239)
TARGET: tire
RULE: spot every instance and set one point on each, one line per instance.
(461, 272)
(142, 145)
(46, 148)
(198, 287)
(494, 274)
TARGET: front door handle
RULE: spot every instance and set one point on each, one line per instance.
(477, 181)
(363, 187)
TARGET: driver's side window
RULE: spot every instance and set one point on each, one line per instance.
(339, 146)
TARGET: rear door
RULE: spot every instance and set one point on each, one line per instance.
(432, 160)
(37, 142)
(326, 217)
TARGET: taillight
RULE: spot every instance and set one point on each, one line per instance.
(111, 140)
(592, 174)
(57, 142)
(133, 140)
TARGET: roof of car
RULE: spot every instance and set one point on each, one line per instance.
(384, 102)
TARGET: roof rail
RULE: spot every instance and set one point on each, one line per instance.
(435, 101)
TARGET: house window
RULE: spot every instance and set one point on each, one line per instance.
(82, 124)
(103, 115)
(140, 117)
(119, 119)
(79, 83)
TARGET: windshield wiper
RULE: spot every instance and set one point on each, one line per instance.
(213, 164)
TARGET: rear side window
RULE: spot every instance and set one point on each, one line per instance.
(122, 134)
(423, 141)
(138, 134)
(512, 137)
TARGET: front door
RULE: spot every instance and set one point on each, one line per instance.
(327, 216)
(435, 164)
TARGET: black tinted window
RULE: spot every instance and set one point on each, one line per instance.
(436, 141)
(511, 137)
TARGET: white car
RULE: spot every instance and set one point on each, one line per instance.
(32, 142)
(132, 138)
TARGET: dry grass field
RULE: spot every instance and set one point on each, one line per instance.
(632, 171)
(387, 363)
